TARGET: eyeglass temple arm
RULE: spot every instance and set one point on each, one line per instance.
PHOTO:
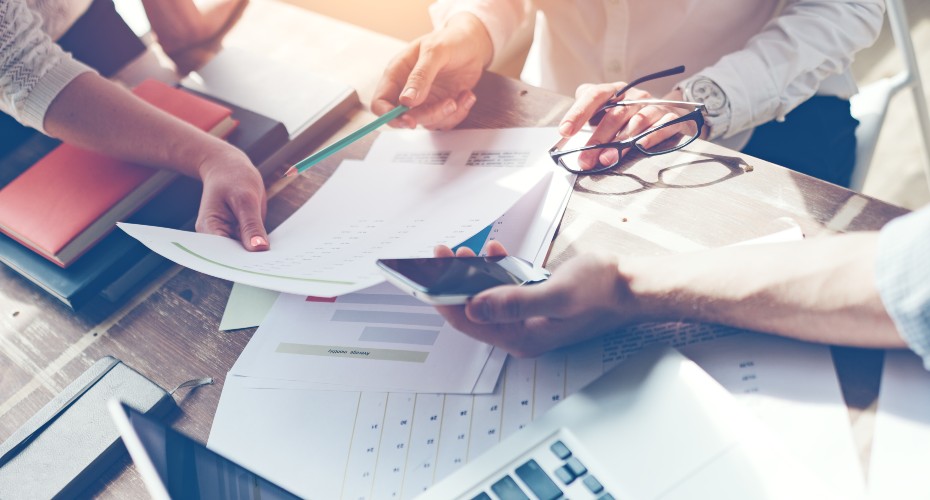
(661, 74)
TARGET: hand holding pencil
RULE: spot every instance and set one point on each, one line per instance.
(434, 76)
(430, 84)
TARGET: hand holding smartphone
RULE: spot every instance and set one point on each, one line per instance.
(452, 280)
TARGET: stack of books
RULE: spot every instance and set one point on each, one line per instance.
(58, 217)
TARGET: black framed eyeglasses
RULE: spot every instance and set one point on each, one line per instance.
(600, 158)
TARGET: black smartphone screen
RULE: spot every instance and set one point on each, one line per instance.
(458, 275)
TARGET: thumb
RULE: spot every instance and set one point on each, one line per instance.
(251, 228)
(421, 77)
(510, 304)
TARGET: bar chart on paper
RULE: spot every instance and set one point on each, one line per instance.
(378, 339)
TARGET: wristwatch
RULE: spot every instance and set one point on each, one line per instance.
(717, 106)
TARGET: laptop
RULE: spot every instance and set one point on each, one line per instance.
(654, 427)
(173, 465)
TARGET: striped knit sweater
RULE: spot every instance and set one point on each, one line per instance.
(33, 68)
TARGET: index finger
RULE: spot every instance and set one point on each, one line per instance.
(588, 99)
(387, 92)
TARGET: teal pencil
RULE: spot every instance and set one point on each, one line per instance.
(301, 166)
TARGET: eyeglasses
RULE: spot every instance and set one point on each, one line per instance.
(600, 158)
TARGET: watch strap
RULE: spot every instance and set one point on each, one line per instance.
(717, 115)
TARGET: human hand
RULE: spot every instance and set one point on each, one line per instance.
(233, 202)
(585, 298)
(435, 75)
(622, 122)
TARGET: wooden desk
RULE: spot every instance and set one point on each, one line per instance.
(169, 330)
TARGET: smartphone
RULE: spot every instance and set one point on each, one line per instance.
(452, 280)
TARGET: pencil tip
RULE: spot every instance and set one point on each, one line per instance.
(291, 171)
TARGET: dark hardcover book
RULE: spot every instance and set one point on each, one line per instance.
(257, 135)
(110, 258)
(118, 263)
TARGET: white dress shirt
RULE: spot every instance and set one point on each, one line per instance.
(902, 276)
(768, 56)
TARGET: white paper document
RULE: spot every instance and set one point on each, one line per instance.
(391, 327)
(794, 389)
(375, 209)
(377, 339)
(394, 445)
(901, 439)
(526, 230)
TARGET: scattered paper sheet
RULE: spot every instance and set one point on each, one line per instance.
(794, 389)
(247, 307)
(901, 439)
(328, 247)
(394, 445)
(382, 318)
(526, 230)
(377, 339)
(486, 383)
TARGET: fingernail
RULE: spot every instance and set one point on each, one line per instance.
(258, 241)
(449, 108)
(609, 157)
(565, 129)
(470, 101)
(410, 93)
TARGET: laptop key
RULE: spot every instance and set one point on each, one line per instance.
(508, 489)
(594, 486)
(560, 450)
(538, 481)
(606, 496)
(575, 466)
(565, 475)
(482, 496)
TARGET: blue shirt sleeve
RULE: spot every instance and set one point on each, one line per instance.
(902, 275)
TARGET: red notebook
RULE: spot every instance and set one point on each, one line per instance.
(72, 198)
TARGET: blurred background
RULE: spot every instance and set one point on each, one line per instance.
(896, 174)
(897, 170)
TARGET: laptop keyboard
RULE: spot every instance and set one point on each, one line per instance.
(562, 474)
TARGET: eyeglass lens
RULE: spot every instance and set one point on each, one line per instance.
(658, 141)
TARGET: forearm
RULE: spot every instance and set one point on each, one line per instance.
(94, 113)
(820, 290)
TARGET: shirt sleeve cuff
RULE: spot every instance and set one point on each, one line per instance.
(742, 78)
(501, 18)
(902, 268)
(47, 88)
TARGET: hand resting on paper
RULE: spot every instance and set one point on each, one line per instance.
(233, 202)
(819, 290)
